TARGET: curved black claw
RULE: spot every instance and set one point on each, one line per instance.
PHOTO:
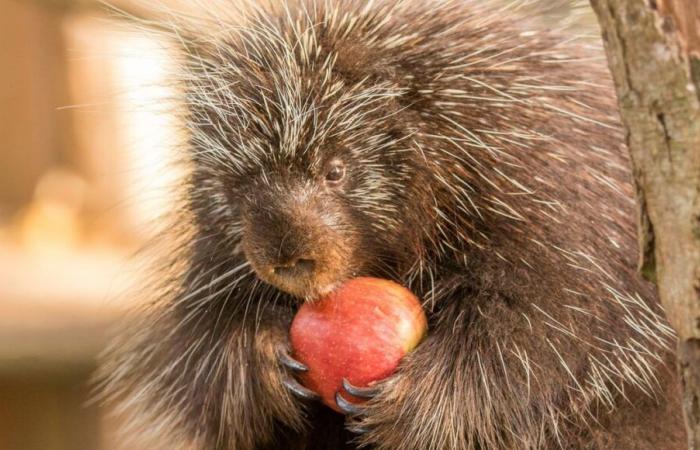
(299, 390)
(367, 392)
(347, 407)
(290, 362)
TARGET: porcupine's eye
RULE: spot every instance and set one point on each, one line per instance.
(335, 173)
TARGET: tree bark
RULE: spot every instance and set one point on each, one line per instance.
(653, 49)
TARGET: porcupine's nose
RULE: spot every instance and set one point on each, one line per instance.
(288, 241)
(297, 268)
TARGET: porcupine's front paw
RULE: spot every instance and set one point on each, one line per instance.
(354, 410)
(292, 367)
(381, 415)
(416, 408)
(361, 417)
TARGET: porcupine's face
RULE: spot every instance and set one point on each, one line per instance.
(330, 212)
(316, 170)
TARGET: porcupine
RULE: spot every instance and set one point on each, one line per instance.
(452, 146)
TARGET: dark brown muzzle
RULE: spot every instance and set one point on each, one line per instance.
(292, 242)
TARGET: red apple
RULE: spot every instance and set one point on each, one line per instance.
(359, 332)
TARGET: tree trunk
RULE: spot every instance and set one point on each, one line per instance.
(653, 49)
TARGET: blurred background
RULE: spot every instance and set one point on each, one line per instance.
(85, 136)
(86, 132)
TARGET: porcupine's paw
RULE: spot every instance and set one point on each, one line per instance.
(388, 419)
(292, 367)
(360, 415)
(354, 409)
(397, 416)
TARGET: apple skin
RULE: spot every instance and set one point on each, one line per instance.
(359, 332)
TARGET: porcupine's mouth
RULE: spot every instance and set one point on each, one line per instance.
(307, 271)
(313, 293)
(323, 291)
(303, 285)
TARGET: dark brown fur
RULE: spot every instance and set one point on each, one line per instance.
(485, 170)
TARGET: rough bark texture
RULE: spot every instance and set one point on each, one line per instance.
(653, 48)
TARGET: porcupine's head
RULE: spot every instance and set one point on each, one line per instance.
(306, 143)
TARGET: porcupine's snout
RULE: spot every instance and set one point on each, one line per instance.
(294, 240)
(295, 267)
